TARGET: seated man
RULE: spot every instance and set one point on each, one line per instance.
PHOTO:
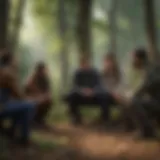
(13, 105)
(38, 87)
(88, 90)
(145, 102)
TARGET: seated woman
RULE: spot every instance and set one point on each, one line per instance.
(112, 78)
(114, 82)
(13, 105)
(38, 87)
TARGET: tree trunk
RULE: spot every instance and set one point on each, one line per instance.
(133, 24)
(151, 29)
(64, 44)
(84, 27)
(15, 35)
(4, 9)
(113, 26)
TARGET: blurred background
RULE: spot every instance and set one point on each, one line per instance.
(60, 31)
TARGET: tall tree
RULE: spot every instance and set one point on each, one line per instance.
(4, 10)
(15, 35)
(151, 29)
(84, 28)
(63, 38)
(112, 25)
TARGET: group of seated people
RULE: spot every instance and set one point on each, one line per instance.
(138, 108)
(31, 104)
(26, 106)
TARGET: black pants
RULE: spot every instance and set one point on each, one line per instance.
(76, 100)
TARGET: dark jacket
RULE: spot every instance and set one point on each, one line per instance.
(151, 85)
(87, 79)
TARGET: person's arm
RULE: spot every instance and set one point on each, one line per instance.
(99, 85)
(12, 82)
(31, 85)
(76, 84)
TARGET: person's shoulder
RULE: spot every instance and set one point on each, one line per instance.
(77, 70)
(95, 70)
(8, 74)
(7, 71)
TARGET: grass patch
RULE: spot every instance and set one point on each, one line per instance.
(44, 143)
(59, 113)
(47, 143)
(115, 113)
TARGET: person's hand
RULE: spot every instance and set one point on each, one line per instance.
(50, 96)
(119, 98)
(40, 99)
(87, 92)
(122, 100)
(46, 95)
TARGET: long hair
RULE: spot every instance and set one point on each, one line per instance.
(6, 58)
(142, 54)
(115, 72)
(41, 80)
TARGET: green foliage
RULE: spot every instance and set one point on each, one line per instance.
(25, 62)
(100, 25)
(13, 6)
(44, 13)
(42, 143)
(48, 143)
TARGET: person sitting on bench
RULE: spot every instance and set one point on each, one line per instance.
(88, 90)
(39, 86)
(115, 83)
(12, 103)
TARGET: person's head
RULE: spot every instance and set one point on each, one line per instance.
(41, 68)
(6, 59)
(84, 62)
(140, 58)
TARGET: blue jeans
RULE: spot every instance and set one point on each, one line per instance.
(21, 113)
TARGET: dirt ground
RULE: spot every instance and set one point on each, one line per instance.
(84, 143)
